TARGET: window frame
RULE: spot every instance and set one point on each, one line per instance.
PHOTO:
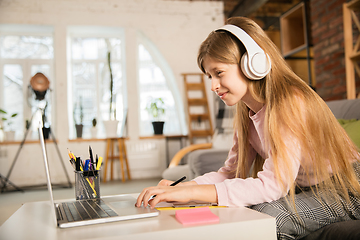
(26, 64)
(94, 32)
(170, 79)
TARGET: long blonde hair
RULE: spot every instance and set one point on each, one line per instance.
(292, 107)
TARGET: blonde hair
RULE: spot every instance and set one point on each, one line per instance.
(293, 108)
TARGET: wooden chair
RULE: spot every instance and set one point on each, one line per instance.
(180, 154)
(110, 142)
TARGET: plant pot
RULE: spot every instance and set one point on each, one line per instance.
(79, 130)
(93, 132)
(158, 127)
(46, 132)
(111, 128)
(9, 136)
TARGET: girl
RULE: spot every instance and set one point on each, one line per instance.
(286, 140)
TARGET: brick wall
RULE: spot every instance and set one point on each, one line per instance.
(326, 18)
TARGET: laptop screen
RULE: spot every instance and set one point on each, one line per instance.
(47, 171)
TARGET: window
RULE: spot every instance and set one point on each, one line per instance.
(25, 50)
(156, 80)
(90, 77)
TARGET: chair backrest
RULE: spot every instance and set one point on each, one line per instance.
(345, 109)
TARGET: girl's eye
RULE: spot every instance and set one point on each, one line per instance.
(219, 72)
(209, 77)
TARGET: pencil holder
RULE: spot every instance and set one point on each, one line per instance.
(87, 185)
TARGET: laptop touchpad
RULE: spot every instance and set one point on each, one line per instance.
(122, 201)
(122, 204)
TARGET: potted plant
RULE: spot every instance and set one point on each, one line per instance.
(112, 124)
(8, 120)
(93, 130)
(156, 109)
(78, 118)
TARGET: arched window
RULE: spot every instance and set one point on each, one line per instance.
(156, 80)
(89, 83)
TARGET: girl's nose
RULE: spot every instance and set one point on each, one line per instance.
(215, 84)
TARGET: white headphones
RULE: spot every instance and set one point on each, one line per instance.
(255, 63)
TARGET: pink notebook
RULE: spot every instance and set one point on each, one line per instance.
(195, 216)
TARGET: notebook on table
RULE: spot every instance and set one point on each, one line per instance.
(92, 211)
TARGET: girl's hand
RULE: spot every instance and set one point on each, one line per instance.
(165, 182)
(184, 192)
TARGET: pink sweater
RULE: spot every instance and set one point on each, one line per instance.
(233, 191)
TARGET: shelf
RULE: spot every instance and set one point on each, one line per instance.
(201, 133)
(355, 56)
(161, 136)
(26, 142)
(199, 119)
(195, 86)
(293, 30)
(197, 101)
(354, 5)
(352, 54)
(295, 42)
(295, 51)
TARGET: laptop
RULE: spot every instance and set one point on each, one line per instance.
(92, 211)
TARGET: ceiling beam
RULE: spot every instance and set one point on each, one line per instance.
(246, 7)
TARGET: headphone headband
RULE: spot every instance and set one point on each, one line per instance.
(251, 46)
(256, 63)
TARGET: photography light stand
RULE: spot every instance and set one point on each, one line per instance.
(39, 84)
(6, 179)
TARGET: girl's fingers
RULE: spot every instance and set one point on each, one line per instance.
(165, 182)
(141, 197)
(146, 195)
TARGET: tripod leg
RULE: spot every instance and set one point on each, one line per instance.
(6, 180)
(61, 160)
(15, 159)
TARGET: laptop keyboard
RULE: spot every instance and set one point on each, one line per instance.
(87, 209)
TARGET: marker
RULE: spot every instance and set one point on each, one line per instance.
(99, 163)
(86, 165)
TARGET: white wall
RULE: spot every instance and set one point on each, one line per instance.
(176, 27)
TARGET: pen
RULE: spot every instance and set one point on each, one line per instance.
(77, 164)
(91, 156)
(178, 181)
(174, 183)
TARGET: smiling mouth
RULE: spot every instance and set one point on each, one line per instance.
(222, 95)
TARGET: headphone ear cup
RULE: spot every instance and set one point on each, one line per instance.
(263, 66)
(244, 63)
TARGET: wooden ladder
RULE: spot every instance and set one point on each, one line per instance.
(200, 125)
